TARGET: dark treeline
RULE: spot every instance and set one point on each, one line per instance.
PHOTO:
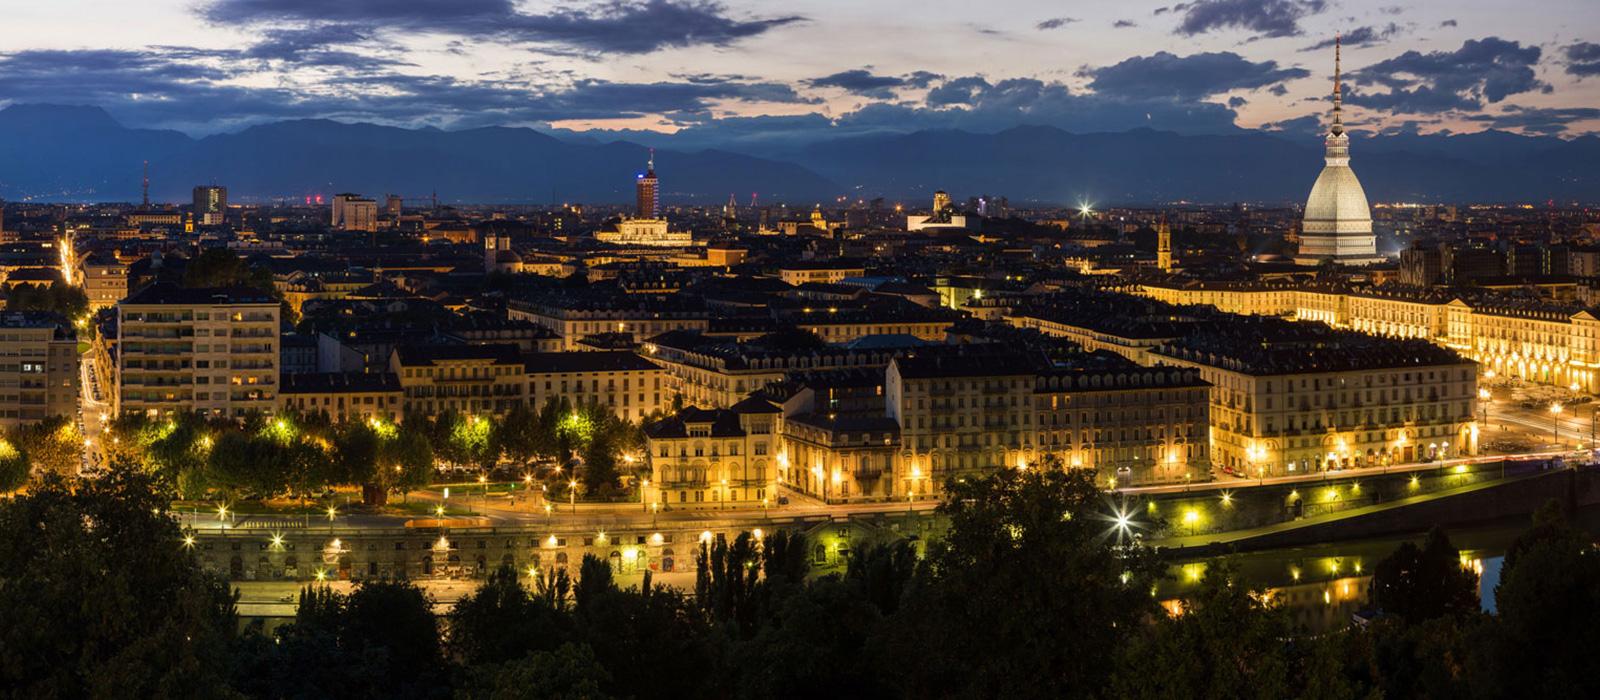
(1028, 595)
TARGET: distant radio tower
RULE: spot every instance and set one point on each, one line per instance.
(147, 184)
(752, 200)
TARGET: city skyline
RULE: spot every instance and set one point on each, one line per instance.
(810, 73)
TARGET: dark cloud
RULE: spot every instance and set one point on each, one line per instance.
(1270, 18)
(1055, 23)
(1237, 101)
(1187, 77)
(1482, 70)
(959, 91)
(1124, 23)
(1447, 23)
(1278, 90)
(1175, 8)
(614, 26)
(1537, 120)
(193, 90)
(1392, 10)
(322, 45)
(1309, 124)
(1360, 36)
(861, 82)
(922, 79)
(1583, 59)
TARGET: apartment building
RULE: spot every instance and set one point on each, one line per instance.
(1291, 398)
(39, 374)
(621, 380)
(344, 396)
(714, 458)
(212, 351)
(105, 279)
(464, 378)
(575, 318)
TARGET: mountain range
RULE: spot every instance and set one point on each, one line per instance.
(63, 153)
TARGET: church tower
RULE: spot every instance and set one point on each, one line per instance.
(1338, 223)
(1164, 246)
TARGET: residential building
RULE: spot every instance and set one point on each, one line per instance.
(714, 458)
(39, 374)
(211, 351)
(463, 378)
(344, 396)
(620, 380)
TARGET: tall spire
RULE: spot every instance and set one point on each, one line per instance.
(1338, 103)
(652, 165)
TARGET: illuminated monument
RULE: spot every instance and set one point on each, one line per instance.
(1338, 222)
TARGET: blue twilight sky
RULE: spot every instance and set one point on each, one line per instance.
(751, 69)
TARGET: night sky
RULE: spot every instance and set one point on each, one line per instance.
(812, 69)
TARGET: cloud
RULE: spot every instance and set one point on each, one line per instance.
(1175, 8)
(960, 91)
(1447, 23)
(1482, 70)
(863, 82)
(1268, 18)
(315, 46)
(1237, 102)
(1537, 120)
(1187, 77)
(1360, 36)
(860, 82)
(1309, 124)
(922, 79)
(1583, 59)
(613, 26)
(1055, 23)
(196, 90)
(1124, 23)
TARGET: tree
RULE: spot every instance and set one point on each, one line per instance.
(15, 467)
(1422, 584)
(1548, 605)
(570, 672)
(59, 297)
(518, 434)
(1026, 596)
(503, 621)
(54, 444)
(1228, 643)
(100, 596)
(397, 618)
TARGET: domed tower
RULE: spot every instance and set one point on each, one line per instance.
(1338, 222)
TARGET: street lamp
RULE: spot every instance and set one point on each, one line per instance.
(1555, 421)
(1191, 517)
(572, 494)
(1483, 405)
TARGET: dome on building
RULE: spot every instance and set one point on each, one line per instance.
(1338, 221)
(1337, 199)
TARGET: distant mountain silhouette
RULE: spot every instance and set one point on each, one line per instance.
(1048, 164)
(52, 152)
(81, 153)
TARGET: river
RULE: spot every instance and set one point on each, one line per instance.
(1325, 585)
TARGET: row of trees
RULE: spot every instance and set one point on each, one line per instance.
(51, 446)
(301, 454)
(1026, 597)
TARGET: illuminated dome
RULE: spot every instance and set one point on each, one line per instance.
(1338, 222)
(1337, 203)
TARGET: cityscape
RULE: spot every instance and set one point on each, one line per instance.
(1251, 365)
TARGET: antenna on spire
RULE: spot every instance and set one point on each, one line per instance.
(1338, 101)
(652, 160)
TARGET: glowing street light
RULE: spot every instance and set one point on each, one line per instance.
(1555, 420)
(1192, 518)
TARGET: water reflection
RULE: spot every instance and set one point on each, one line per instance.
(1322, 587)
